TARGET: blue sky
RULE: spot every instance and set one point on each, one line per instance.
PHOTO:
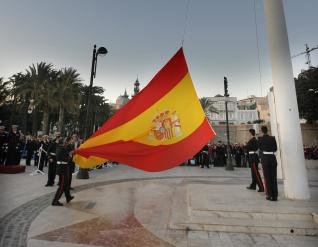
(142, 35)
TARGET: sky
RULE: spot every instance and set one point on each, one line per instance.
(142, 35)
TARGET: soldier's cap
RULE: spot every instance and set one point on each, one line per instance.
(14, 126)
(2, 127)
(57, 133)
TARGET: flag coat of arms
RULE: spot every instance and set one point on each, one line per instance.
(161, 127)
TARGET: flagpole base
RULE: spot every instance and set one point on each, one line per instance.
(82, 174)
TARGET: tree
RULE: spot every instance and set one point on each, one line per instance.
(67, 93)
(99, 109)
(307, 97)
(4, 91)
(207, 105)
(18, 100)
(38, 85)
(4, 101)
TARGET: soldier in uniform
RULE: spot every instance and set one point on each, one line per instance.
(252, 147)
(63, 156)
(3, 145)
(204, 153)
(268, 147)
(51, 152)
(14, 146)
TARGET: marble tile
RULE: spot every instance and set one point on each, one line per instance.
(102, 232)
(49, 219)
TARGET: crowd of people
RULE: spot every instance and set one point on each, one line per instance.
(215, 154)
(311, 152)
(53, 151)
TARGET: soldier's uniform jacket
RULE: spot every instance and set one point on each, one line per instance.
(14, 140)
(267, 144)
(63, 152)
(51, 152)
(252, 146)
(62, 157)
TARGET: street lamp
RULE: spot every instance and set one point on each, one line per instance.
(229, 165)
(102, 51)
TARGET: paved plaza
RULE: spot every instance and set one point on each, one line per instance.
(184, 206)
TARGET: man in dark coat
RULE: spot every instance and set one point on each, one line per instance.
(252, 147)
(268, 147)
(220, 151)
(3, 145)
(204, 153)
(30, 147)
(238, 152)
(14, 147)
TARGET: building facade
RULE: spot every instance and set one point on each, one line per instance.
(260, 104)
(235, 115)
(122, 100)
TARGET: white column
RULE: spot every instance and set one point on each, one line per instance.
(296, 180)
(274, 130)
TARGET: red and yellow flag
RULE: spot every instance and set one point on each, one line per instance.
(161, 127)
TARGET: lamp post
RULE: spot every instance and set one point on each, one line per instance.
(229, 165)
(83, 173)
(31, 110)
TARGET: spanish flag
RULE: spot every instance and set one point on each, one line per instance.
(160, 128)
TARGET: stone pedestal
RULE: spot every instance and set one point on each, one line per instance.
(12, 169)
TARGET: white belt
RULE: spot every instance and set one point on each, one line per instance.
(61, 162)
(252, 152)
(268, 152)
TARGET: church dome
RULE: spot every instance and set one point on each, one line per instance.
(122, 100)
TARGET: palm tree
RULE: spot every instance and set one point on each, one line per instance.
(38, 85)
(4, 91)
(207, 105)
(18, 100)
(99, 109)
(67, 92)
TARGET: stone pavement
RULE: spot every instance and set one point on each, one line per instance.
(184, 206)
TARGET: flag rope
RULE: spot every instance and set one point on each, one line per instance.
(258, 51)
(185, 22)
